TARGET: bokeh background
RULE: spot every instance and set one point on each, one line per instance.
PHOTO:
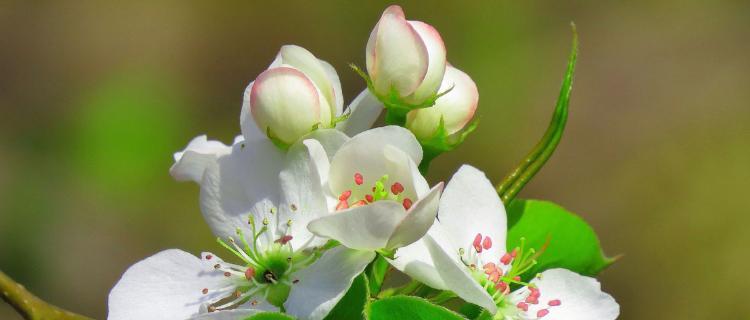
(95, 97)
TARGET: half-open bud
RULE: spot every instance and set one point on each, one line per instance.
(297, 93)
(456, 108)
(406, 58)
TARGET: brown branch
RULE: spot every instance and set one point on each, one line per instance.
(29, 305)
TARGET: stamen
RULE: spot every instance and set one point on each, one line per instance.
(369, 198)
(208, 257)
(293, 207)
(345, 195)
(542, 313)
(283, 240)
(506, 259)
(342, 205)
(249, 273)
(359, 179)
(205, 291)
(359, 203)
(523, 306)
(478, 243)
(397, 188)
(487, 243)
(554, 303)
(407, 203)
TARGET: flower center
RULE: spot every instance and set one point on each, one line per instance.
(497, 277)
(360, 194)
(265, 272)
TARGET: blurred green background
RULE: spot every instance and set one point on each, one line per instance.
(95, 98)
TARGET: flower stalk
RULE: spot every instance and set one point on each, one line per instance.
(30, 306)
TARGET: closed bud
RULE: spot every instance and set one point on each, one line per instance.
(296, 94)
(455, 108)
(405, 57)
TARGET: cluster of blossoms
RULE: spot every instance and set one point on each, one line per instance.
(309, 195)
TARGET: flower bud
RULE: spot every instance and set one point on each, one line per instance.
(294, 95)
(456, 108)
(407, 57)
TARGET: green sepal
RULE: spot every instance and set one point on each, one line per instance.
(376, 272)
(567, 240)
(409, 308)
(396, 107)
(529, 166)
(270, 316)
(441, 142)
(354, 302)
(276, 141)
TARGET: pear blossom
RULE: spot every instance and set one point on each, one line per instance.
(464, 252)
(265, 230)
(454, 109)
(380, 200)
(405, 57)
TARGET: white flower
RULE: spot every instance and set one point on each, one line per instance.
(380, 200)
(455, 108)
(464, 252)
(260, 217)
(295, 94)
(405, 56)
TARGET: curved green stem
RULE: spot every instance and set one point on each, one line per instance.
(524, 171)
(30, 306)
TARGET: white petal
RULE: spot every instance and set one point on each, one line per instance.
(436, 67)
(397, 57)
(324, 283)
(333, 77)
(364, 153)
(417, 221)
(365, 228)
(166, 285)
(470, 205)
(415, 261)
(302, 185)
(580, 297)
(456, 275)
(190, 163)
(317, 70)
(363, 112)
(242, 183)
(250, 130)
(285, 100)
(456, 108)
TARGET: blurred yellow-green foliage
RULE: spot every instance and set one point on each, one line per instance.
(96, 96)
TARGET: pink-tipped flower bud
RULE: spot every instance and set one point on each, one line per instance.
(297, 93)
(456, 108)
(405, 56)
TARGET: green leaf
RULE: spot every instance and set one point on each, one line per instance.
(376, 271)
(409, 308)
(352, 305)
(571, 243)
(529, 166)
(270, 316)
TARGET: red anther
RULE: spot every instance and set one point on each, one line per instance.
(478, 243)
(358, 178)
(283, 240)
(517, 278)
(487, 243)
(227, 274)
(397, 188)
(204, 291)
(489, 268)
(534, 292)
(532, 300)
(249, 273)
(342, 205)
(554, 303)
(494, 277)
(407, 203)
(369, 198)
(208, 257)
(506, 259)
(514, 253)
(501, 286)
(345, 195)
(359, 203)
(523, 306)
(542, 313)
